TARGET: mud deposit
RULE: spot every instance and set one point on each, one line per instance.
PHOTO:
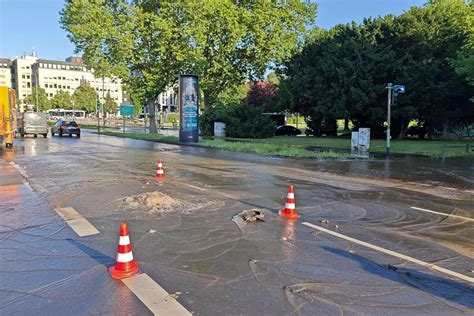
(152, 203)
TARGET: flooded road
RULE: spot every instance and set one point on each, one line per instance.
(184, 237)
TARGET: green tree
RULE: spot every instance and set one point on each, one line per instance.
(234, 94)
(429, 39)
(342, 72)
(43, 102)
(148, 43)
(110, 104)
(62, 100)
(85, 98)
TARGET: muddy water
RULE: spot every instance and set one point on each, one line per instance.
(184, 237)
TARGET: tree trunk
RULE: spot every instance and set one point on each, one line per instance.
(346, 124)
(403, 129)
(207, 98)
(152, 110)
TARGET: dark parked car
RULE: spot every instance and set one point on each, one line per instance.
(66, 127)
(287, 130)
(309, 131)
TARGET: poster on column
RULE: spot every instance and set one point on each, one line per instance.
(189, 108)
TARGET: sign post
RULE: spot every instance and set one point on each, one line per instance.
(126, 110)
(189, 108)
(98, 118)
(393, 91)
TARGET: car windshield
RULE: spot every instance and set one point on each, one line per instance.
(70, 124)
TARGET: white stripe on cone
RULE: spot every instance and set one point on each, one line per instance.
(124, 240)
(124, 257)
(290, 196)
(159, 171)
(160, 165)
(290, 206)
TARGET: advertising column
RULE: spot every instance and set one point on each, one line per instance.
(189, 108)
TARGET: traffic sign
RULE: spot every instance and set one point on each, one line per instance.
(126, 110)
(399, 88)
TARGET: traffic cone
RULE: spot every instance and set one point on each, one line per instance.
(290, 210)
(125, 266)
(159, 170)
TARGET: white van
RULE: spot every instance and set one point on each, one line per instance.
(33, 123)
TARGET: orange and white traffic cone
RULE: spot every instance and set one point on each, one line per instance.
(125, 266)
(160, 173)
(290, 207)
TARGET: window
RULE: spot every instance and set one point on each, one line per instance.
(55, 85)
(28, 85)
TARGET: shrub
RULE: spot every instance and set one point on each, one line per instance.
(242, 121)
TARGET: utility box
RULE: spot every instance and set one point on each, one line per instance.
(364, 138)
(355, 140)
(360, 141)
(219, 129)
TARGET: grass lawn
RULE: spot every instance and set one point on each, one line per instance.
(107, 128)
(297, 146)
(420, 147)
(251, 147)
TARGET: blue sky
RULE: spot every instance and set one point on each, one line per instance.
(25, 24)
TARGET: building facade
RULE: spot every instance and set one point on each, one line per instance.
(6, 72)
(24, 73)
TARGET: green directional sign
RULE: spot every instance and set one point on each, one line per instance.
(126, 110)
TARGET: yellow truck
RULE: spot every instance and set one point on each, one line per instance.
(7, 115)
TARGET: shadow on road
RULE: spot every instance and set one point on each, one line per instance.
(448, 289)
(98, 256)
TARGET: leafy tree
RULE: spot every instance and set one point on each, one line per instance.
(148, 43)
(242, 121)
(85, 98)
(110, 104)
(62, 100)
(261, 94)
(232, 95)
(43, 102)
(343, 72)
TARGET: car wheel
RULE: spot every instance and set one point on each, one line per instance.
(36, 135)
(70, 135)
(45, 135)
(60, 134)
(22, 135)
(78, 135)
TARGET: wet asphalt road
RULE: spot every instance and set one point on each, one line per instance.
(215, 266)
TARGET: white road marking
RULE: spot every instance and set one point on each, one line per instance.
(28, 186)
(439, 213)
(393, 253)
(193, 186)
(20, 170)
(77, 222)
(154, 296)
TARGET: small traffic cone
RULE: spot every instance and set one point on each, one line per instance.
(160, 173)
(125, 266)
(290, 210)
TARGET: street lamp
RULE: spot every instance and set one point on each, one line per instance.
(393, 91)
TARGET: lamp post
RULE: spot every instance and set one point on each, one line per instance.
(393, 91)
(389, 106)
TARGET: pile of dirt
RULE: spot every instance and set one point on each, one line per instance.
(152, 202)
